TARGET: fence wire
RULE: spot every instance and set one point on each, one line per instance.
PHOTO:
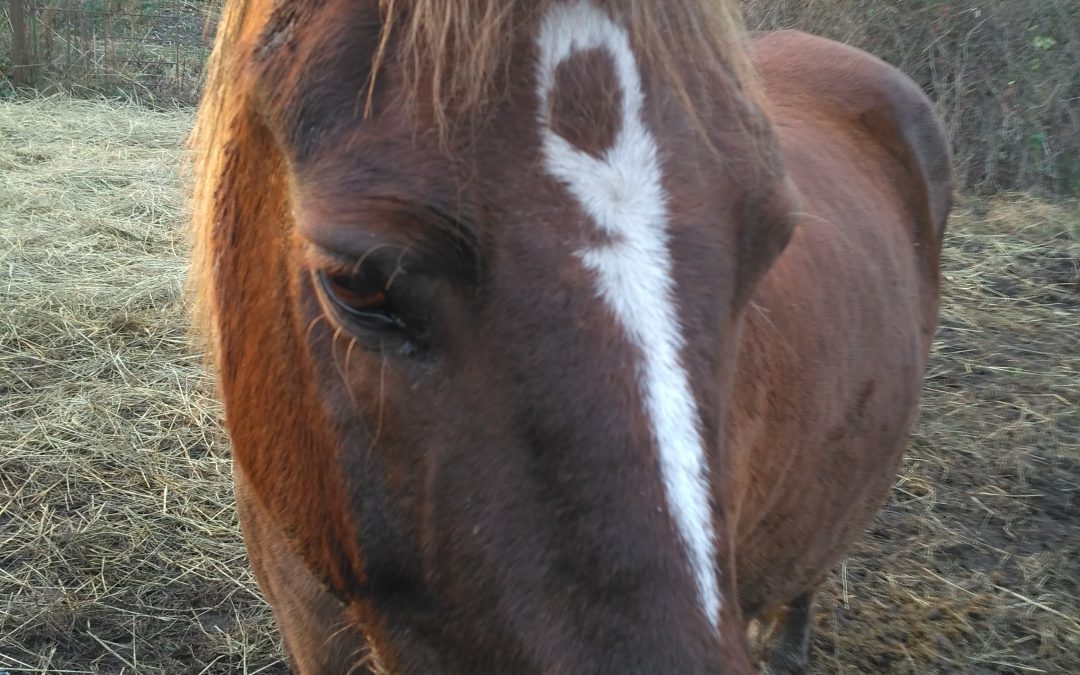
(151, 50)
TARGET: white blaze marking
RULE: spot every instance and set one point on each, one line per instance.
(622, 194)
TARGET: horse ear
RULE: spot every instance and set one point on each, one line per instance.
(767, 218)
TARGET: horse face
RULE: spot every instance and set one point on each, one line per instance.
(498, 360)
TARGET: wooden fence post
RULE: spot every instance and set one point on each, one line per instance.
(20, 52)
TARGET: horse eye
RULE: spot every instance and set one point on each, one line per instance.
(372, 311)
(354, 294)
(361, 298)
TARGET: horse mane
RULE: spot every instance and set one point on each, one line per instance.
(454, 53)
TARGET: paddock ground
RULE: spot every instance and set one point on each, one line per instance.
(119, 547)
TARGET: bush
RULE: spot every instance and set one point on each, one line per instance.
(1005, 74)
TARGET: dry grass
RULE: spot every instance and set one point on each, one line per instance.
(119, 549)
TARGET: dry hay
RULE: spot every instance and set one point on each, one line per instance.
(119, 549)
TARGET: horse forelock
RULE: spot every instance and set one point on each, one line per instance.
(239, 183)
(456, 54)
(207, 145)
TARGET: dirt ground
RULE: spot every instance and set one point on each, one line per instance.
(119, 547)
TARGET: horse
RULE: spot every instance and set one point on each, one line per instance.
(563, 336)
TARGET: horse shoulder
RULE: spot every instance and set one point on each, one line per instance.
(813, 81)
